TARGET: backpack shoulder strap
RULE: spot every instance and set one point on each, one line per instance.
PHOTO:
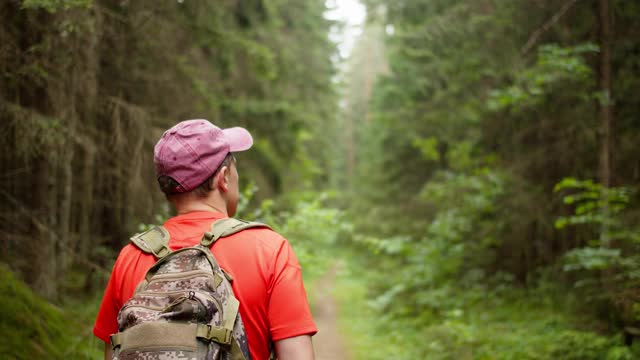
(226, 227)
(153, 241)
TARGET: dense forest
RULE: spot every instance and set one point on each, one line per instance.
(494, 176)
(468, 174)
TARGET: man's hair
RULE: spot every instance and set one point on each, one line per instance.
(168, 185)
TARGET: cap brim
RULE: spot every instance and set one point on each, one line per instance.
(239, 139)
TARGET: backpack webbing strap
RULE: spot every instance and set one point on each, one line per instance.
(156, 335)
(222, 335)
(174, 334)
(226, 227)
(153, 241)
(214, 333)
(115, 340)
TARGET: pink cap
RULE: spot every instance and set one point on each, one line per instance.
(192, 150)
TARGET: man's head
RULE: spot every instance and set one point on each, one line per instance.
(194, 161)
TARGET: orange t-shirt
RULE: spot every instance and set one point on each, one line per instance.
(267, 280)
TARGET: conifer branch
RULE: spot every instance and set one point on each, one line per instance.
(533, 38)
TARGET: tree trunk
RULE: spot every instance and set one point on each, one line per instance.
(606, 104)
(64, 210)
(43, 248)
(86, 199)
(606, 110)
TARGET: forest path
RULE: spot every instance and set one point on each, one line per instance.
(328, 342)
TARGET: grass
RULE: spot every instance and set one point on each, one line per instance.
(514, 324)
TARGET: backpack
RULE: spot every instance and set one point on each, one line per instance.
(185, 307)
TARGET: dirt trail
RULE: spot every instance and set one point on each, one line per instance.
(327, 342)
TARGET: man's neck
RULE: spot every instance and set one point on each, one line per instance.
(187, 204)
(188, 209)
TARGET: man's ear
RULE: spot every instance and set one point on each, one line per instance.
(223, 179)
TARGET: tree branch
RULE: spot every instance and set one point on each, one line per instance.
(533, 38)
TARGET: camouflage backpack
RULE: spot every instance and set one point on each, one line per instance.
(185, 307)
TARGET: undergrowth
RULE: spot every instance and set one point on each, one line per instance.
(32, 328)
(513, 324)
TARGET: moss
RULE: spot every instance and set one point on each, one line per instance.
(32, 328)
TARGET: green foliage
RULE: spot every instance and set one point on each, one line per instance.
(448, 172)
(457, 155)
(53, 6)
(428, 148)
(33, 328)
(555, 65)
(457, 243)
(507, 325)
(591, 259)
(596, 205)
(611, 258)
(575, 345)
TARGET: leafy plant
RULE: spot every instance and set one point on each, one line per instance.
(610, 260)
(600, 208)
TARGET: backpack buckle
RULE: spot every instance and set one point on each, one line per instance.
(161, 252)
(219, 334)
(115, 341)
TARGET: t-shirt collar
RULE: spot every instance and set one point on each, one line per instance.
(197, 215)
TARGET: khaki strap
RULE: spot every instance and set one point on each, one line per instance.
(231, 312)
(226, 227)
(153, 241)
(205, 251)
(236, 352)
(214, 333)
(116, 340)
(157, 335)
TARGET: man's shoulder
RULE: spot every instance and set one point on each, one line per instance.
(262, 233)
(130, 255)
(262, 237)
(129, 249)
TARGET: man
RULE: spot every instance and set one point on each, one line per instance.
(197, 172)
